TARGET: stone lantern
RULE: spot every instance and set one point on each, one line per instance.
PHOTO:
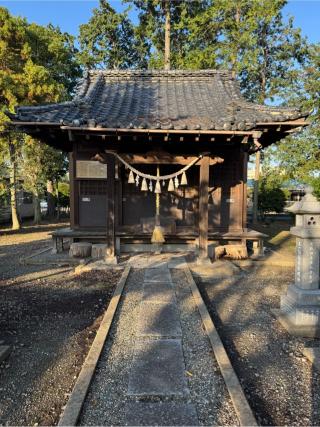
(300, 307)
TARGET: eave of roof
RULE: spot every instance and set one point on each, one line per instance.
(158, 101)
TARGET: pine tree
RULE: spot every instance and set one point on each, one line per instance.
(190, 46)
(30, 73)
(108, 40)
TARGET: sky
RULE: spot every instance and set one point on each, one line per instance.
(69, 14)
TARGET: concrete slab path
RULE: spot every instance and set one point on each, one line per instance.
(161, 414)
(159, 320)
(157, 367)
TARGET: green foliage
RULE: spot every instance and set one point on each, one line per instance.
(316, 187)
(64, 194)
(108, 40)
(194, 31)
(249, 37)
(37, 65)
(298, 156)
(40, 163)
(272, 198)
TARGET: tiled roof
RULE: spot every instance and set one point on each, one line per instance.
(176, 99)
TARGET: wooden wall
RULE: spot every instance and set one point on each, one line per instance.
(227, 204)
(227, 194)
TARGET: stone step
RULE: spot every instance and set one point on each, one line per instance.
(158, 292)
(159, 320)
(158, 369)
(161, 414)
(157, 275)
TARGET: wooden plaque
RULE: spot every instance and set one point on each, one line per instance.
(91, 169)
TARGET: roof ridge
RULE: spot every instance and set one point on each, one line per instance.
(264, 107)
(155, 72)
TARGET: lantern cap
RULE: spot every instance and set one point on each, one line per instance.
(307, 205)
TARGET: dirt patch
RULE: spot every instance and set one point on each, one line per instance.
(50, 321)
(279, 237)
(280, 384)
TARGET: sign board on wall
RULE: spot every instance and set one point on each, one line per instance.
(91, 169)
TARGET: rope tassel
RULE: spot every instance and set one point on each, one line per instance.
(184, 179)
(171, 186)
(131, 178)
(157, 235)
(144, 186)
(157, 189)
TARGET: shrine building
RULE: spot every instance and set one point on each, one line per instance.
(180, 137)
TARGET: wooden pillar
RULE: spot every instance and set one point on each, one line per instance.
(203, 206)
(72, 177)
(244, 190)
(111, 251)
(256, 189)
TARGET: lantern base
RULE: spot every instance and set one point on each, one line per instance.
(300, 311)
(298, 330)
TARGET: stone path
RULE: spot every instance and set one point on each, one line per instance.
(158, 368)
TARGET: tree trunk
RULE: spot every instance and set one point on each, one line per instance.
(167, 37)
(36, 209)
(50, 200)
(13, 187)
(234, 59)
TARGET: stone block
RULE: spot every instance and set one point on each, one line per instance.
(159, 320)
(158, 292)
(161, 414)
(231, 251)
(157, 275)
(158, 369)
(99, 250)
(80, 250)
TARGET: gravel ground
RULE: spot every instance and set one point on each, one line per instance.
(14, 245)
(280, 383)
(207, 387)
(49, 318)
(107, 399)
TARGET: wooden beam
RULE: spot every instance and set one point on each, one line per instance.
(163, 158)
(160, 131)
(203, 206)
(111, 241)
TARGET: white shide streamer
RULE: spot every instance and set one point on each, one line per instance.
(155, 177)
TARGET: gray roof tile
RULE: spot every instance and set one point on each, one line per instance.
(176, 99)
